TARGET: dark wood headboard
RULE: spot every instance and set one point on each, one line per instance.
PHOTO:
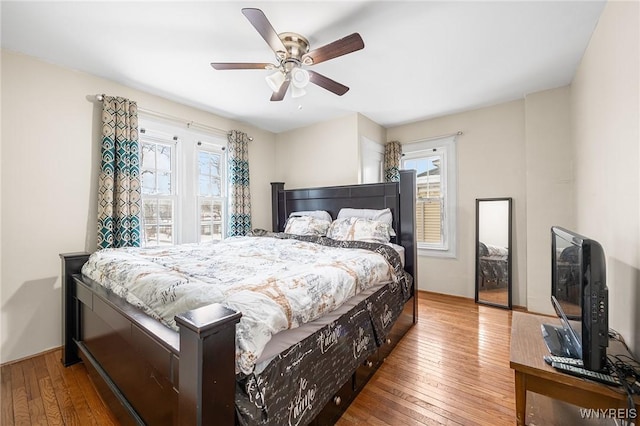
(399, 197)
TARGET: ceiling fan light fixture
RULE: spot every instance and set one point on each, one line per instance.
(275, 80)
(297, 92)
(293, 52)
(299, 78)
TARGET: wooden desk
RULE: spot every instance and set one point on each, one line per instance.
(534, 375)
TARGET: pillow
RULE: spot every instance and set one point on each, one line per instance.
(359, 229)
(319, 214)
(496, 251)
(307, 225)
(482, 249)
(382, 215)
(570, 255)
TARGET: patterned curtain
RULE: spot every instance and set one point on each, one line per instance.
(239, 222)
(119, 181)
(392, 157)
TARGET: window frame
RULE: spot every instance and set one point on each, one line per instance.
(446, 147)
(210, 147)
(186, 222)
(159, 138)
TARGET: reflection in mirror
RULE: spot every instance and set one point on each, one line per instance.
(493, 251)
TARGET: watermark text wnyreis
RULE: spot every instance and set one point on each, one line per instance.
(609, 413)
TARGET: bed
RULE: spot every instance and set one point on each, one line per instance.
(149, 373)
(493, 262)
(569, 287)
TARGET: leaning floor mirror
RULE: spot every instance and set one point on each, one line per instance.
(493, 251)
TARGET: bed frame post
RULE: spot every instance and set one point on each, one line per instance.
(276, 208)
(71, 264)
(207, 366)
(408, 190)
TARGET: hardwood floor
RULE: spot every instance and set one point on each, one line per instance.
(40, 391)
(452, 368)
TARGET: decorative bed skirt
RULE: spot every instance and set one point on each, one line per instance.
(299, 382)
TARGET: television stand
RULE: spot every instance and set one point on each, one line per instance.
(534, 375)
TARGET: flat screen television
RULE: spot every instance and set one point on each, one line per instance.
(578, 283)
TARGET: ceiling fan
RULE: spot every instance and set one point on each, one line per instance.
(292, 55)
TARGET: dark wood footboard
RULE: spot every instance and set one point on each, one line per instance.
(149, 373)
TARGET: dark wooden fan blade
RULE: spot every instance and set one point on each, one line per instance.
(327, 83)
(279, 95)
(345, 45)
(239, 66)
(263, 26)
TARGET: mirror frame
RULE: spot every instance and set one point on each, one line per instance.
(509, 253)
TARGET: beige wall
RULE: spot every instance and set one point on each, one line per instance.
(371, 130)
(605, 114)
(321, 154)
(327, 153)
(491, 163)
(549, 190)
(50, 154)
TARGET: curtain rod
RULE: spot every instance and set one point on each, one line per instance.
(458, 133)
(189, 123)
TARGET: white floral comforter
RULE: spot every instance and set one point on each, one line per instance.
(276, 283)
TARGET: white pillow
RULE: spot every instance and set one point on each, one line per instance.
(382, 215)
(359, 229)
(320, 214)
(307, 225)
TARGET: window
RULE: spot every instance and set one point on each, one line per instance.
(183, 184)
(157, 177)
(210, 193)
(435, 164)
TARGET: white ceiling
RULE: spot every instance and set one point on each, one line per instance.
(422, 59)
